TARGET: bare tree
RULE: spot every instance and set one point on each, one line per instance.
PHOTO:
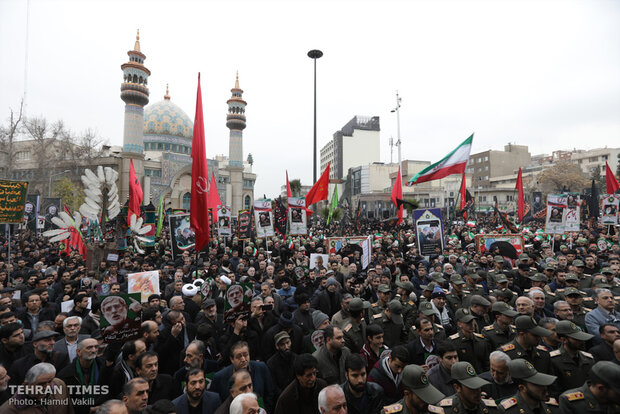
(45, 138)
(8, 135)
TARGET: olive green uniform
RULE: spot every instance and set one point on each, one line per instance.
(517, 405)
(475, 350)
(580, 400)
(537, 356)
(454, 405)
(393, 334)
(496, 336)
(354, 334)
(571, 372)
(456, 301)
(376, 308)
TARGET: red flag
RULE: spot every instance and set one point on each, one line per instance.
(318, 192)
(214, 198)
(464, 195)
(135, 193)
(521, 197)
(199, 213)
(397, 194)
(288, 187)
(610, 179)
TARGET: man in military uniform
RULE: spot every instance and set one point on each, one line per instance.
(427, 292)
(458, 294)
(526, 344)
(471, 282)
(574, 297)
(502, 331)
(471, 346)
(585, 280)
(355, 326)
(468, 398)
(391, 320)
(426, 310)
(600, 395)
(610, 276)
(418, 393)
(384, 293)
(570, 363)
(479, 309)
(498, 269)
(404, 289)
(533, 396)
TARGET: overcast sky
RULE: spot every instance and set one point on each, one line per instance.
(540, 73)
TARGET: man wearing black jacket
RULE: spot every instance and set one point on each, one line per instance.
(161, 386)
(172, 340)
(281, 363)
(43, 345)
(363, 397)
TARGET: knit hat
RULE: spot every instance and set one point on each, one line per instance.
(286, 320)
(331, 281)
(318, 318)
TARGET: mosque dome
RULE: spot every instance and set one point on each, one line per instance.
(164, 118)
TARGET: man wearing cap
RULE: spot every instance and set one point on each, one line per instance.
(502, 331)
(458, 294)
(574, 297)
(355, 326)
(498, 268)
(479, 309)
(570, 363)
(471, 279)
(526, 344)
(600, 394)
(281, 363)
(585, 280)
(533, 396)
(611, 280)
(391, 320)
(468, 398)
(471, 346)
(384, 293)
(418, 393)
(343, 314)
(444, 314)
(43, 345)
(426, 310)
(403, 290)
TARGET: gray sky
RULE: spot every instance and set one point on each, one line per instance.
(540, 73)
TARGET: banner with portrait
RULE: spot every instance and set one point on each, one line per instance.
(51, 206)
(485, 241)
(335, 244)
(182, 237)
(12, 201)
(557, 207)
(224, 225)
(145, 283)
(609, 209)
(121, 317)
(31, 212)
(245, 224)
(297, 216)
(238, 299)
(573, 212)
(429, 231)
(263, 217)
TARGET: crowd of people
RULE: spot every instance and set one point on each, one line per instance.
(458, 331)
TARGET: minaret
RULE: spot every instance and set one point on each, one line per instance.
(235, 121)
(135, 94)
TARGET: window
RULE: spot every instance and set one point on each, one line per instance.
(248, 201)
(22, 155)
(509, 198)
(486, 158)
(486, 177)
(605, 157)
(593, 159)
(486, 168)
(186, 199)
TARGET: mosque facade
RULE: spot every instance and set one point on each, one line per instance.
(158, 138)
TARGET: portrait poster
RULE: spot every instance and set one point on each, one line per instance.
(103, 289)
(429, 231)
(31, 212)
(366, 252)
(245, 224)
(145, 283)
(297, 216)
(335, 244)
(573, 212)
(182, 237)
(121, 317)
(484, 241)
(51, 206)
(263, 217)
(556, 213)
(224, 225)
(12, 201)
(609, 209)
(318, 261)
(238, 298)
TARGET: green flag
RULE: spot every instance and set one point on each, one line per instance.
(334, 204)
(160, 215)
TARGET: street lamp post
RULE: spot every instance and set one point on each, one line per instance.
(398, 143)
(49, 187)
(314, 54)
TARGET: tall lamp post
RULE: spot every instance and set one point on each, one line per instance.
(49, 187)
(314, 54)
(398, 143)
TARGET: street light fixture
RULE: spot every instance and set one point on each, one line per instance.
(49, 187)
(398, 143)
(314, 54)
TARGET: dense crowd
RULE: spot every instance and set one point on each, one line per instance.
(459, 331)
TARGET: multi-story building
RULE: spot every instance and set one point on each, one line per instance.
(485, 165)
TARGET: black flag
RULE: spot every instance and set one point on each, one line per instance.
(593, 205)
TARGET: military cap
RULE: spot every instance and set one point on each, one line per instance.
(528, 324)
(578, 263)
(429, 287)
(479, 300)
(357, 304)
(504, 309)
(607, 271)
(563, 246)
(550, 266)
(572, 276)
(501, 278)
(523, 266)
(524, 256)
(524, 370)
(572, 291)
(571, 330)
(538, 277)
(465, 374)
(396, 310)
(608, 373)
(371, 269)
(408, 286)
(473, 273)
(457, 279)
(414, 379)
(383, 288)
(437, 277)
(464, 315)
(498, 259)
(600, 283)
(427, 309)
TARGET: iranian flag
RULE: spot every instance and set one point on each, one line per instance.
(453, 163)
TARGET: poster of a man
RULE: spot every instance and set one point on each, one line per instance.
(263, 219)
(296, 215)
(556, 215)
(183, 237)
(120, 317)
(238, 297)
